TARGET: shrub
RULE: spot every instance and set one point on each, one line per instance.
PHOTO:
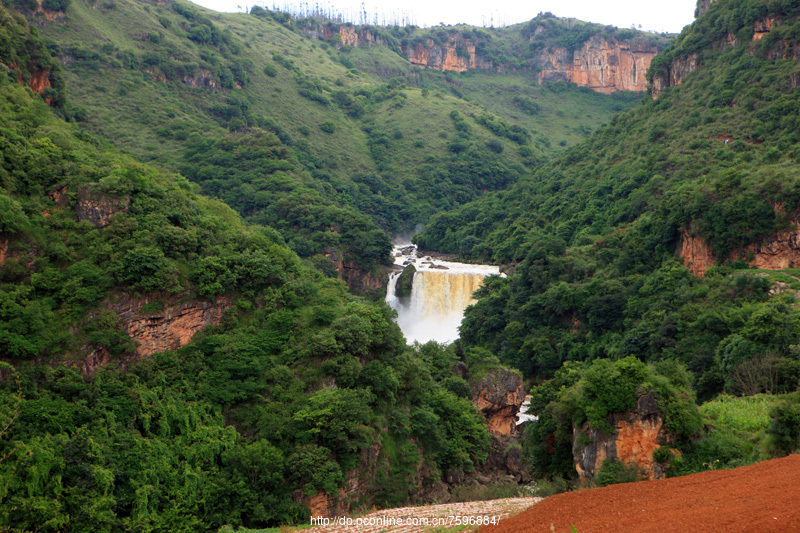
(12, 218)
(613, 472)
(784, 429)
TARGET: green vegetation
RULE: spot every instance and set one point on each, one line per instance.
(583, 395)
(748, 414)
(613, 472)
(311, 153)
(547, 31)
(283, 395)
(591, 239)
(783, 433)
(358, 129)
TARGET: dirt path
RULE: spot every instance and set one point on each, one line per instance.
(428, 517)
(762, 498)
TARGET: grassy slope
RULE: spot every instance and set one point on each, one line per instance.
(142, 115)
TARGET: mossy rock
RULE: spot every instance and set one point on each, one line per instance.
(405, 283)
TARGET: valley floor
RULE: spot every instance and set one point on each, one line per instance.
(759, 498)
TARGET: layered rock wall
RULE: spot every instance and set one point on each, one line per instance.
(352, 36)
(600, 64)
(169, 329)
(358, 280)
(775, 252)
(637, 433)
(155, 331)
(457, 54)
(696, 254)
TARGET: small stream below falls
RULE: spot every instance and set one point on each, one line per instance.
(440, 292)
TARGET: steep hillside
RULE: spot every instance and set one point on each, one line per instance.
(168, 367)
(601, 241)
(602, 58)
(182, 82)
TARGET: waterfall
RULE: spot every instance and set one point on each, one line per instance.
(440, 292)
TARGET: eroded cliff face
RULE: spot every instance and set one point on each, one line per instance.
(358, 280)
(99, 208)
(457, 54)
(696, 254)
(499, 397)
(50, 16)
(155, 331)
(4, 244)
(40, 80)
(169, 329)
(91, 205)
(674, 74)
(637, 433)
(203, 79)
(350, 36)
(602, 65)
(681, 67)
(775, 252)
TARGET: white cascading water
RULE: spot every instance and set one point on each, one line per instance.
(440, 292)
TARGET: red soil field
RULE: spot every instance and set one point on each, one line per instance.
(761, 498)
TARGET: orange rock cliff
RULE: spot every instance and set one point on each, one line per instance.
(775, 252)
(604, 65)
(637, 433)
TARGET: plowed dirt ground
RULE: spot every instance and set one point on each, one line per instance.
(761, 498)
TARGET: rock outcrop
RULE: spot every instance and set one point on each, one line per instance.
(99, 208)
(40, 80)
(154, 331)
(498, 397)
(775, 252)
(680, 67)
(405, 283)
(167, 329)
(702, 7)
(604, 65)
(456, 54)
(91, 205)
(637, 433)
(696, 254)
(673, 74)
(203, 79)
(358, 280)
(348, 36)
(358, 486)
(4, 244)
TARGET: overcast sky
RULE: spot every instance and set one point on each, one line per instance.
(658, 16)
